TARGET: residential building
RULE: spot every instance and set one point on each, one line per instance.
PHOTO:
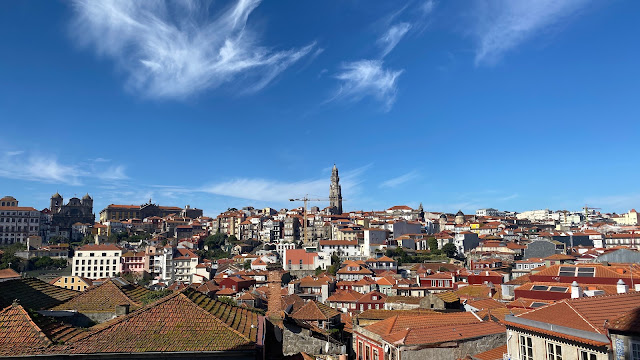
(422, 336)
(72, 282)
(123, 212)
(17, 223)
(569, 329)
(300, 259)
(96, 261)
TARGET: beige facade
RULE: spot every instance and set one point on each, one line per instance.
(72, 282)
(533, 346)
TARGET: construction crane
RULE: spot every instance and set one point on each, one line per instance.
(306, 200)
(586, 210)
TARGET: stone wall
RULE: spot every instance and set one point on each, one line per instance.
(296, 339)
(464, 348)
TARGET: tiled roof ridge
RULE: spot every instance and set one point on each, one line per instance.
(253, 310)
(582, 317)
(23, 312)
(106, 325)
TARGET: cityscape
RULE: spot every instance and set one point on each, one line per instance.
(335, 180)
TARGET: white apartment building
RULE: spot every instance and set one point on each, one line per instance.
(17, 223)
(373, 239)
(490, 212)
(535, 215)
(184, 265)
(96, 261)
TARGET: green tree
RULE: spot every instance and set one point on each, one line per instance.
(335, 264)
(433, 244)
(154, 295)
(227, 300)
(450, 250)
(58, 239)
(247, 265)
(318, 270)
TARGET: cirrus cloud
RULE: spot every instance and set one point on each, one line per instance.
(174, 50)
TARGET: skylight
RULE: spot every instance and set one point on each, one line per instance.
(537, 304)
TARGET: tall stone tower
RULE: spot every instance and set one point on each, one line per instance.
(335, 192)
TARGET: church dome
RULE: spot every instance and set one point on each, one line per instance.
(56, 196)
(443, 216)
(86, 197)
(460, 213)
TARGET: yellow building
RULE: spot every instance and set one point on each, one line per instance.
(475, 227)
(630, 218)
(72, 282)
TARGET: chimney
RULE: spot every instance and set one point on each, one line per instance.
(622, 287)
(122, 309)
(576, 291)
(274, 307)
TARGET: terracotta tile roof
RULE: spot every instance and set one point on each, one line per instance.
(528, 303)
(401, 321)
(172, 324)
(448, 296)
(104, 298)
(292, 300)
(9, 274)
(493, 354)
(345, 296)
(441, 334)
(476, 292)
(403, 299)
(588, 314)
(628, 322)
(485, 304)
(19, 335)
(498, 314)
(315, 311)
(243, 320)
(33, 293)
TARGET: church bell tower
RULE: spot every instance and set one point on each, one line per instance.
(335, 192)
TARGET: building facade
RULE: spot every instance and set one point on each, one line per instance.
(17, 223)
(96, 261)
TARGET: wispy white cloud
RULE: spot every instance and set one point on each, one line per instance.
(282, 191)
(173, 50)
(502, 25)
(47, 169)
(14, 153)
(427, 7)
(392, 37)
(368, 78)
(399, 180)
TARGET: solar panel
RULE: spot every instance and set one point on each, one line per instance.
(566, 273)
(586, 274)
(586, 269)
(539, 288)
(558, 289)
(567, 268)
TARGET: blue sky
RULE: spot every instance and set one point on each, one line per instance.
(458, 105)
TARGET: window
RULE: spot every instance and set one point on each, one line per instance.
(526, 348)
(585, 355)
(635, 351)
(359, 350)
(554, 351)
(375, 354)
